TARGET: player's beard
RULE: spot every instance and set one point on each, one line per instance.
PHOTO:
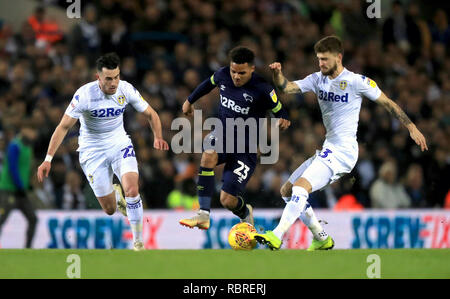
(331, 71)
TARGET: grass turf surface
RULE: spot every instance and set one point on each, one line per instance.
(225, 264)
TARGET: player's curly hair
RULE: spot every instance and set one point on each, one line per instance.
(109, 61)
(330, 44)
(242, 55)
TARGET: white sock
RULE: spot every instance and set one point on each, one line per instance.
(309, 218)
(135, 214)
(292, 211)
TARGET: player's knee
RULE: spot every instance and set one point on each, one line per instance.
(286, 189)
(109, 210)
(131, 191)
(209, 159)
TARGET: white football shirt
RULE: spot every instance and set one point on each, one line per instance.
(101, 115)
(340, 101)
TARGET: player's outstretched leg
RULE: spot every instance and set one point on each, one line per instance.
(321, 240)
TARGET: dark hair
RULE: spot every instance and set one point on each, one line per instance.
(241, 55)
(330, 44)
(109, 61)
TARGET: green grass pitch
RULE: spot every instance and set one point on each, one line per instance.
(225, 264)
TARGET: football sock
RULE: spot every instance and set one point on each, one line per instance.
(292, 210)
(309, 218)
(241, 209)
(286, 199)
(205, 187)
(135, 214)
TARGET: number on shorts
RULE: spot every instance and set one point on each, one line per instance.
(128, 152)
(238, 171)
(325, 153)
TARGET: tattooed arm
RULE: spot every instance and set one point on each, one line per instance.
(281, 82)
(398, 113)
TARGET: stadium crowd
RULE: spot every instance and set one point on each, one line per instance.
(169, 47)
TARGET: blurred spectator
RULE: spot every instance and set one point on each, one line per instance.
(85, 36)
(184, 198)
(58, 180)
(73, 197)
(348, 202)
(15, 180)
(401, 30)
(46, 30)
(414, 186)
(440, 29)
(386, 192)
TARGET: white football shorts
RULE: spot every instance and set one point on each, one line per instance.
(338, 159)
(100, 166)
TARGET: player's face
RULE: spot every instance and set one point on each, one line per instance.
(109, 80)
(241, 73)
(328, 62)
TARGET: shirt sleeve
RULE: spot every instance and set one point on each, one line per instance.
(274, 103)
(367, 87)
(308, 84)
(134, 98)
(76, 106)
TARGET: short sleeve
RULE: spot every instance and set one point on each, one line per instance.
(308, 84)
(217, 76)
(367, 87)
(76, 106)
(134, 97)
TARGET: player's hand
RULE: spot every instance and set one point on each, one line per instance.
(418, 138)
(275, 67)
(160, 144)
(43, 171)
(283, 124)
(188, 108)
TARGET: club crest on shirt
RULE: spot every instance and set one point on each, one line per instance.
(273, 95)
(121, 99)
(248, 97)
(343, 84)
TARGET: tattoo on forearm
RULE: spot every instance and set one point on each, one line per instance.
(396, 111)
(284, 84)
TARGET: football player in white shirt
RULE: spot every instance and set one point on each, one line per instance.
(105, 148)
(339, 93)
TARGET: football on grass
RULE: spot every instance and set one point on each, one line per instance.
(241, 236)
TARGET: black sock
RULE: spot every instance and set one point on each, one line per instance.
(205, 187)
(241, 209)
